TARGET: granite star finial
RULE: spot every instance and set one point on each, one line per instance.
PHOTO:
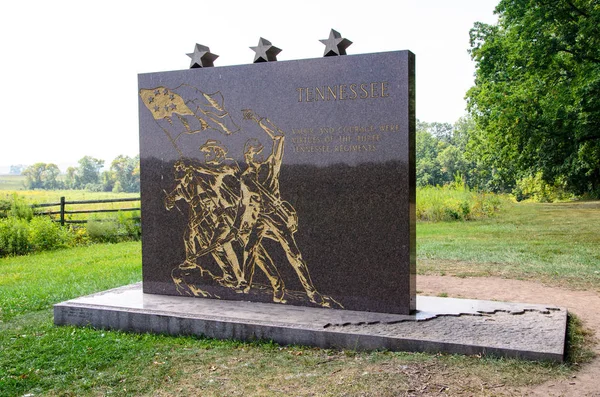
(335, 44)
(265, 51)
(202, 57)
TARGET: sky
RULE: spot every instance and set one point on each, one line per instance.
(69, 69)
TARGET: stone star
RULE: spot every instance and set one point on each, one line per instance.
(265, 51)
(201, 57)
(335, 44)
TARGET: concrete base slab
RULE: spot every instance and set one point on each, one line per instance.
(463, 326)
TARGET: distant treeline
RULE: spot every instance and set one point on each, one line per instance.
(122, 176)
(451, 154)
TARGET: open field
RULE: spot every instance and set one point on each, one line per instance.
(12, 182)
(53, 196)
(554, 243)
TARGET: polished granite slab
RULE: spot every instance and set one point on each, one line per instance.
(287, 182)
(463, 326)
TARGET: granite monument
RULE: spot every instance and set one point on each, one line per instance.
(290, 182)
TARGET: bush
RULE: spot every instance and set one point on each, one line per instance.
(534, 188)
(20, 209)
(45, 235)
(79, 236)
(4, 208)
(452, 203)
(103, 230)
(94, 187)
(130, 223)
(125, 226)
(14, 237)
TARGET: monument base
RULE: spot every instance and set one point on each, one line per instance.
(462, 326)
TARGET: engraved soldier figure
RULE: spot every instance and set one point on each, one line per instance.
(208, 220)
(229, 201)
(265, 214)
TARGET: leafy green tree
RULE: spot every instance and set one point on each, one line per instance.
(49, 177)
(42, 176)
(88, 172)
(71, 178)
(536, 99)
(33, 175)
(429, 170)
(126, 172)
(108, 181)
(442, 131)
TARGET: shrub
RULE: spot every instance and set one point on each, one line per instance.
(125, 226)
(4, 208)
(94, 187)
(44, 234)
(534, 188)
(14, 237)
(79, 236)
(20, 209)
(104, 230)
(130, 223)
(453, 202)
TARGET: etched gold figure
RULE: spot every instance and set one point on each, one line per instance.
(265, 213)
(212, 208)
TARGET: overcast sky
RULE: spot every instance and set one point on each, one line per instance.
(69, 69)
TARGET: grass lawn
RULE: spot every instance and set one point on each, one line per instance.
(37, 358)
(556, 243)
(12, 182)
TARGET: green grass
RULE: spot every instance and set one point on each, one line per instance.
(556, 243)
(53, 196)
(12, 182)
(35, 282)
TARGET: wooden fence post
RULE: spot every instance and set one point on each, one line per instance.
(62, 211)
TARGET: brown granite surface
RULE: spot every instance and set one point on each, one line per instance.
(330, 197)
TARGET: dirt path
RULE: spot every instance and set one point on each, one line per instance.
(585, 304)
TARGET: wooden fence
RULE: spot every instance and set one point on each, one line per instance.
(63, 212)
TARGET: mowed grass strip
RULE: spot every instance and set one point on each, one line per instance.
(555, 243)
(12, 183)
(36, 282)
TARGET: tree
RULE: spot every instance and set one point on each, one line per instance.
(440, 153)
(33, 176)
(49, 177)
(536, 99)
(88, 172)
(71, 178)
(428, 168)
(42, 176)
(442, 131)
(126, 173)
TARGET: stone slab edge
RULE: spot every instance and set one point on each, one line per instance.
(153, 321)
